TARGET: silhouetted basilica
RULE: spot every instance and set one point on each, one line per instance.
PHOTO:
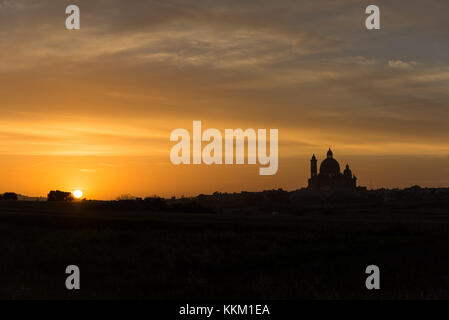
(330, 176)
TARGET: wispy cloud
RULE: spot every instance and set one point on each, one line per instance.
(398, 64)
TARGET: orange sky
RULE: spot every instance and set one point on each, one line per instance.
(93, 109)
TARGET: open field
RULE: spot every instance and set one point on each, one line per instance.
(166, 255)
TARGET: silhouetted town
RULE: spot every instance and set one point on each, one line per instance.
(328, 191)
(313, 242)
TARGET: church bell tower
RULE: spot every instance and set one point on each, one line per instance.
(313, 168)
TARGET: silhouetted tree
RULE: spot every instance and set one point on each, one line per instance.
(59, 196)
(9, 196)
(125, 196)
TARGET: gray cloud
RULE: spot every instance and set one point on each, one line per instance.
(307, 65)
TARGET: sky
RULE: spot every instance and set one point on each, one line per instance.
(93, 109)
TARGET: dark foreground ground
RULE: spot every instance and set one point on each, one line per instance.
(167, 255)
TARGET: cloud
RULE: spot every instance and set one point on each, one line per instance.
(398, 64)
(309, 42)
(285, 64)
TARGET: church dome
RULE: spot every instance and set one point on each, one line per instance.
(330, 167)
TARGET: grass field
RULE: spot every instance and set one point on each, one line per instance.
(163, 255)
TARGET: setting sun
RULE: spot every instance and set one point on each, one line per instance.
(78, 194)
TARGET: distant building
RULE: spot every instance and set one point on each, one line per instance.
(330, 176)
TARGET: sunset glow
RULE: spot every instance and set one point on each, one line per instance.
(95, 106)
